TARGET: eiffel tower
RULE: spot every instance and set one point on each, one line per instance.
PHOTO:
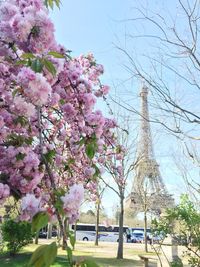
(148, 187)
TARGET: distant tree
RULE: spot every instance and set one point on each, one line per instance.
(119, 164)
(131, 219)
(98, 210)
(87, 217)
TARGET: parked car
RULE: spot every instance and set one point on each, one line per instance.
(137, 237)
(54, 233)
(42, 234)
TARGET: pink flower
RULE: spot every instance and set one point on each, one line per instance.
(22, 27)
(89, 100)
(55, 99)
(119, 157)
(30, 205)
(77, 190)
(89, 172)
(101, 160)
(4, 192)
(38, 90)
(8, 10)
(72, 201)
(25, 76)
(23, 108)
(102, 91)
(69, 110)
(28, 24)
(44, 38)
(2, 123)
(119, 170)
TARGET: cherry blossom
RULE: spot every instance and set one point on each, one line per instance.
(4, 192)
(51, 134)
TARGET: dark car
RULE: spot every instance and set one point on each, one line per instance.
(54, 233)
(42, 234)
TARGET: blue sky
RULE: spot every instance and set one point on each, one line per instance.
(99, 26)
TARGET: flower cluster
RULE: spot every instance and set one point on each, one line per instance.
(21, 165)
(30, 205)
(72, 201)
(27, 24)
(36, 88)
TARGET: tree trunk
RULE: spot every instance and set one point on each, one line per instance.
(75, 224)
(64, 237)
(145, 229)
(62, 231)
(49, 230)
(97, 224)
(121, 230)
(36, 238)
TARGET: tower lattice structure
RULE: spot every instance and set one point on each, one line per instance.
(148, 189)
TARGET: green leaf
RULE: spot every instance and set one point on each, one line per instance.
(62, 101)
(27, 56)
(90, 150)
(82, 141)
(21, 62)
(28, 141)
(50, 3)
(20, 156)
(57, 3)
(59, 206)
(59, 192)
(72, 239)
(49, 156)
(37, 65)
(69, 254)
(43, 256)
(56, 54)
(71, 161)
(37, 259)
(14, 92)
(68, 163)
(97, 171)
(17, 140)
(39, 220)
(50, 253)
(22, 120)
(49, 66)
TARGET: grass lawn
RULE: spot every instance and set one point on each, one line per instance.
(104, 255)
(21, 259)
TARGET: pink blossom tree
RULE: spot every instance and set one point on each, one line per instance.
(50, 133)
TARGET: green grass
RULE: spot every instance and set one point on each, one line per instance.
(21, 260)
(104, 255)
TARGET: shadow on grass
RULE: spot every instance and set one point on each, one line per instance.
(21, 260)
(113, 262)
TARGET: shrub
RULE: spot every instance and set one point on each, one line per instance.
(16, 235)
(176, 263)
